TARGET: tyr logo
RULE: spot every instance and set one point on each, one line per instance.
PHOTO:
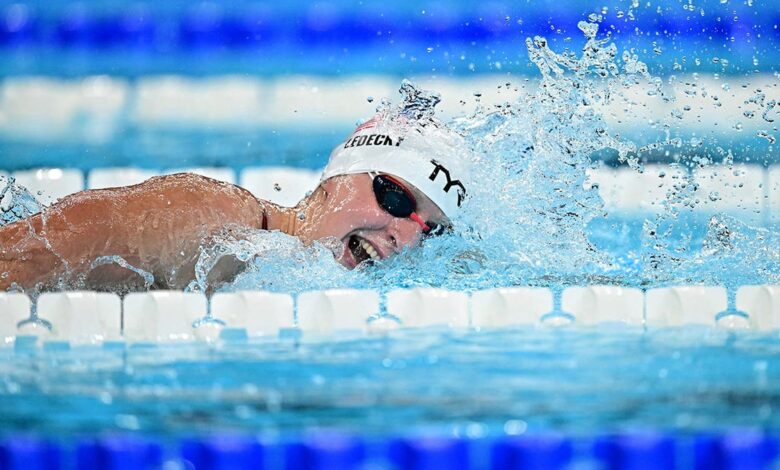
(438, 167)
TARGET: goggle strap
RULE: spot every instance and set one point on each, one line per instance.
(420, 222)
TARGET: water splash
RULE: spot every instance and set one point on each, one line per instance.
(529, 219)
(273, 261)
(147, 277)
(16, 202)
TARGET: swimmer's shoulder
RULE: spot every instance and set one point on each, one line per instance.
(232, 200)
(183, 191)
(198, 184)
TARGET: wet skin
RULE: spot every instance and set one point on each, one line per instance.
(160, 226)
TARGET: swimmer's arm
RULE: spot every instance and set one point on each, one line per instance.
(157, 226)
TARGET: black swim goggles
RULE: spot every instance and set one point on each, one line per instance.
(398, 201)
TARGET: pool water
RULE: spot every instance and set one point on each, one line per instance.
(533, 218)
(468, 383)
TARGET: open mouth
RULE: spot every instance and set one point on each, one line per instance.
(362, 250)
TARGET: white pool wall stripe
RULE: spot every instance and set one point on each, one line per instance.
(82, 317)
(259, 313)
(41, 108)
(170, 316)
(508, 306)
(14, 307)
(708, 103)
(51, 184)
(685, 305)
(213, 101)
(162, 315)
(100, 178)
(282, 185)
(302, 100)
(425, 306)
(763, 305)
(592, 305)
(739, 188)
(337, 310)
(747, 191)
(773, 188)
(93, 108)
(628, 190)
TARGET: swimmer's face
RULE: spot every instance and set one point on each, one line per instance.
(364, 229)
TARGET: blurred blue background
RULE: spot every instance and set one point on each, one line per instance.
(343, 37)
(53, 50)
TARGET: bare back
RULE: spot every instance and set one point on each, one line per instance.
(157, 226)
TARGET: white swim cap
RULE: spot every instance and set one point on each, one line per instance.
(431, 157)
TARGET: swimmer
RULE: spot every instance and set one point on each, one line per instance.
(384, 189)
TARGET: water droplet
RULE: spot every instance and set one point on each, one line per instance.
(277, 187)
(767, 136)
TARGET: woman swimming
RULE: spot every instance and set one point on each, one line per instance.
(386, 187)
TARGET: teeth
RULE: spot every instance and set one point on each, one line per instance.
(370, 250)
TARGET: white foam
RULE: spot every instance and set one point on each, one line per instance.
(509, 306)
(422, 307)
(259, 313)
(82, 317)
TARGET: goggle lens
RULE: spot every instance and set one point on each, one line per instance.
(399, 202)
(393, 198)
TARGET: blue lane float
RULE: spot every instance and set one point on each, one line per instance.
(541, 452)
(398, 38)
(323, 450)
(29, 453)
(119, 453)
(188, 26)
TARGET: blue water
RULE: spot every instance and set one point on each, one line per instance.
(531, 221)
(581, 381)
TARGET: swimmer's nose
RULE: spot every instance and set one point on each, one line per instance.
(403, 233)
